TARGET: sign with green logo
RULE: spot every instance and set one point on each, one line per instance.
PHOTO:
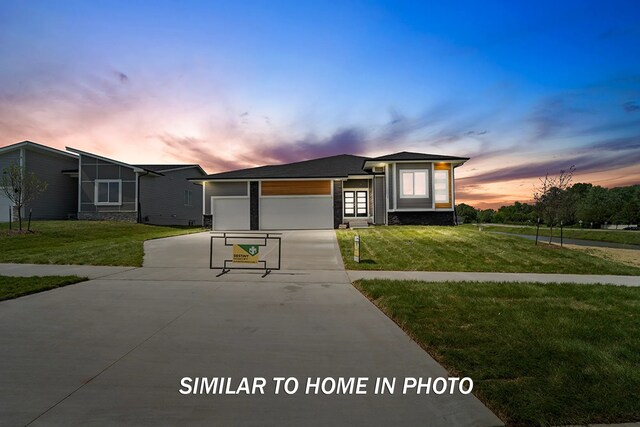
(247, 254)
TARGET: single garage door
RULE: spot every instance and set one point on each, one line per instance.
(5, 205)
(296, 205)
(230, 213)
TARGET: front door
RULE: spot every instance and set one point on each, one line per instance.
(356, 204)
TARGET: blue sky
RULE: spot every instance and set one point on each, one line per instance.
(523, 89)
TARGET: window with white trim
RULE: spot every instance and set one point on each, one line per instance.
(108, 192)
(414, 183)
(441, 186)
(188, 196)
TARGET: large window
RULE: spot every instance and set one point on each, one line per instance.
(441, 186)
(188, 196)
(108, 192)
(414, 183)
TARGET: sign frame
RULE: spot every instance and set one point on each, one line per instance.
(231, 239)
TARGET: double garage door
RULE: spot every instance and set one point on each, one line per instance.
(283, 205)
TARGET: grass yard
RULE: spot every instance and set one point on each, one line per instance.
(629, 237)
(14, 287)
(430, 248)
(538, 354)
(82, 242)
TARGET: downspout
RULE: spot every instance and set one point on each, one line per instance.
(138, 191)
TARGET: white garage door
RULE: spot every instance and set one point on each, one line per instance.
(296, 213)
(5, 205)
(230, 213)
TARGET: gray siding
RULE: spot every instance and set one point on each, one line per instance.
(162, 198)
(92, 169)
(379, 201)
(222, 189)
(7, 158)
(60, 199)
(413, 203)
(355, 183)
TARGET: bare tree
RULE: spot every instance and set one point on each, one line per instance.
(551, 197)
(21, 187)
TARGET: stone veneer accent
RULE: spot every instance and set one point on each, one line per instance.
(420, 218)
(109, 216)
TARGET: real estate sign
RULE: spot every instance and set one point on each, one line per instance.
(356, 248)
(247, 254)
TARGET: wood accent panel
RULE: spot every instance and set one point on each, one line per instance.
(442, 166)
(296, 188)
(445, 167)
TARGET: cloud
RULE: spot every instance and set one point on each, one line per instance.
(554, 116)
(597, 157)
(194, 150)
(350, 140)
(631, 107)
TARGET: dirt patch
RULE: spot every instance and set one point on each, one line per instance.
(625, 256)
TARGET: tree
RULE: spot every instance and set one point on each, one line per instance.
(551, 199)
(468, 213)
(21, 187)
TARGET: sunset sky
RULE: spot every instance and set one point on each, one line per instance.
(522, 89)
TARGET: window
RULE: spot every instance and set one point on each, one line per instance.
(188, 195)
(441, 186)
(414, 183)
(108, 192)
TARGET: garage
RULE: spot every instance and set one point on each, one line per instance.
(295, 205)
(230, 213)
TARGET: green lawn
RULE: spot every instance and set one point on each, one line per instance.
(616, 236)
(430, 248)
(82, 242)
(538, 354)
(14, 287)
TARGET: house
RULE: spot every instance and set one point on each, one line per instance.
(59, 200)
(400, 188)
(89, 186)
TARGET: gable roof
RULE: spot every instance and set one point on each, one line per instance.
(339, 166)
(407, 155)
(35, 145)
(171, 167)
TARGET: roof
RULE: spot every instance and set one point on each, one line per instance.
(407, 155)
(31, 144)
(171, 167)
(339, 166)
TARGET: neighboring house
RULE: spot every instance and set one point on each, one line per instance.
(400, 188)
(59, 200)
(89, 186)
(156, 194)
(167, 197)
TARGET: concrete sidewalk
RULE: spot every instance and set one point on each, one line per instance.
(163, 274)
(438, 276)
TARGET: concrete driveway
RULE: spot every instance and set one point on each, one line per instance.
(114, 350)
(301, 250)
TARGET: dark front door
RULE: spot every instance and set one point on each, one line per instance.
(356, 204)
